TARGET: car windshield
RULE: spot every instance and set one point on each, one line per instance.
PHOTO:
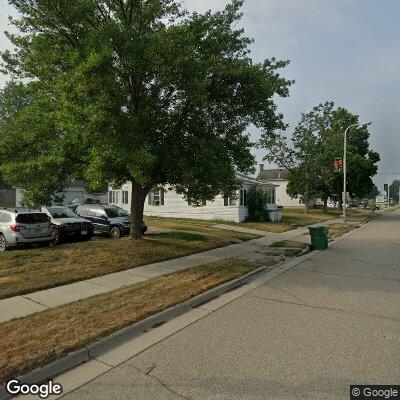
(116, 212)
(61, 212)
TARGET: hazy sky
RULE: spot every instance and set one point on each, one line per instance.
(347, 51)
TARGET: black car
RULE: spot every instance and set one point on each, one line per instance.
(108, 219)
(68, 225)
(80, 201)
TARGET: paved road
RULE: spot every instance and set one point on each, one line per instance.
(332, 321)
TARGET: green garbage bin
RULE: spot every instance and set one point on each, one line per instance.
(319, 237)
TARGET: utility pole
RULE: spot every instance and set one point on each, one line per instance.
(344, 216)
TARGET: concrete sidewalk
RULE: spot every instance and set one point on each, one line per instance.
(254, 250)
(308, 333)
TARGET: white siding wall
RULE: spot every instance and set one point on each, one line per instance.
(176, 207)
(282, 198)
(19, 198)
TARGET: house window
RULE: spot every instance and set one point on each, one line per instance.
(243, 197)
(113, 196)
(125, 197)
(156, 197)
(230, 201)
(271, 195)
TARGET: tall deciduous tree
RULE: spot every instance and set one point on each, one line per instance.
(139, 91)
(317, 140)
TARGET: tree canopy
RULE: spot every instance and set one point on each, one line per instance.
(316, 141)
(135, 90)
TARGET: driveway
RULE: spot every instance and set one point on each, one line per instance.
(331, 321)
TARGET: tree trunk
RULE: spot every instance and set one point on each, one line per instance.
(340, 204)
(325, 206)
(138, 198)
(307, 199)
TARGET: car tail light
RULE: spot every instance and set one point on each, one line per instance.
(17, 228)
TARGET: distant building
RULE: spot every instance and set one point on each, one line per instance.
(278, 177)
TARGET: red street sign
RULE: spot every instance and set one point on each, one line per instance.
(338, 164)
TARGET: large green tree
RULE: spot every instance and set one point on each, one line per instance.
(136, 90)
(317, 140)
(303, 153)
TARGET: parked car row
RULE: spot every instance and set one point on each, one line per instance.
(59, 224)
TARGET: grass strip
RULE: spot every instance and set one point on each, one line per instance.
(36, 340)
(29, 270)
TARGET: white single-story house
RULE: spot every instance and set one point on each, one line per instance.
(278, 177)
(165, 202)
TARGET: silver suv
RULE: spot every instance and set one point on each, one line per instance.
(19, 228)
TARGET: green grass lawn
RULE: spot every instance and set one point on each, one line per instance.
(28, 270)
(36, 340)
(198, 226)
(292, 218)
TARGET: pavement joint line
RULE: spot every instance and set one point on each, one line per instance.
(33, 301)
(326, 308)
(100, 361)
(162, 383)
(351, 276)
(286, 292)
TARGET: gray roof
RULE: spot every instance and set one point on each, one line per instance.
(248, 179)
(273, 174)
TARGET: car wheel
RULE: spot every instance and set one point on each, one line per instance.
(3, 243)
(57, 236)
(115, 233)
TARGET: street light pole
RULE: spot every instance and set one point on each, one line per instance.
(344, 216)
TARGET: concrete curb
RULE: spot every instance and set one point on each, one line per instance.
(100, 347)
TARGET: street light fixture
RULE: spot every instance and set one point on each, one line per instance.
(344, 197)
